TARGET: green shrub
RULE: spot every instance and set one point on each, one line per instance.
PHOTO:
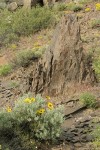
(88, 99)
(5, 69)
(96, 135)
(74, 7)
(13, 84)
(24, 22)
(96, 66)
(27, 22)
(31, 119)
(95, 23)
(85, 1)
(61, 6)
(96, 60)
(25, 57)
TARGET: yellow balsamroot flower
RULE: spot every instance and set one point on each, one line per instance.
(27, 100)
(36, 44)
(32, 99)
(48, 97)
(40, 37)
(9, 109)
(97, 6)
(50, 105)
(88, 9)
(13, 46)
(40, 111)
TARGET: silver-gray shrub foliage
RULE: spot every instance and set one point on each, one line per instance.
(41, 121)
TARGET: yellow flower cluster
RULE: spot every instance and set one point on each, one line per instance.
(9, 109)
(87, 9)
(40, 111)
(29, 100)
(97, 6)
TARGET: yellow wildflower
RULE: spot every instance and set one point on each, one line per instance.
(9, 109)
(36, 44)
(97, 6)
(40, 37)
(32, 99)
(48, 97)
(27, 100)
(88, 9)
(41, 111)
(13, 46)
(0, 147)
(50, 105)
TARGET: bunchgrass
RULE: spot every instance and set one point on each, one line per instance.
(88, 100)
(5, 69)
(95, 23)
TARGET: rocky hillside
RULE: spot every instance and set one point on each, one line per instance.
(58, 56)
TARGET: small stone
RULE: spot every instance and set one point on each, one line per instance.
(93, 114)
(86, 119)
(70, 104)
(83, 136)
(73, 130)
(80, 130)
(12, 6)
(77, 145)
(76, 139)
(89, 138)
(80, 125)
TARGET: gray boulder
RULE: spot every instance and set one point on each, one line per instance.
(12, 6)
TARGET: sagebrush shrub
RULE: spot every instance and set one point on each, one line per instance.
(25, 57)
(88, 99)
(36, 118)
(74, 7)
(5, 69)
(95, 23)
(85, 1)
(96, 135)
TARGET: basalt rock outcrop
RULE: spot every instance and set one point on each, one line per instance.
(64, 62)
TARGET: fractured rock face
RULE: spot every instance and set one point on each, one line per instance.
(64, 62)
